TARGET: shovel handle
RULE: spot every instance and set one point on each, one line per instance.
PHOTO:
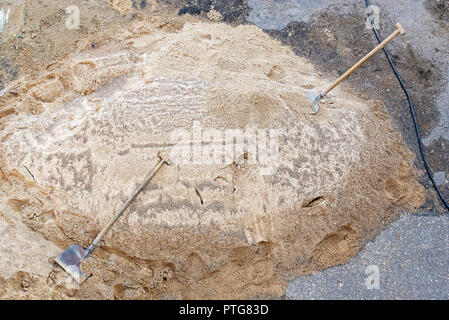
(398, 31)
(100, 236)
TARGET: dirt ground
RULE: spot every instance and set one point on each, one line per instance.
(214, 231)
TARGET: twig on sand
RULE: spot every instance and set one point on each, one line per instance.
(30, 173)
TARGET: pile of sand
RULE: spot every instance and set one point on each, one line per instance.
(80, 136)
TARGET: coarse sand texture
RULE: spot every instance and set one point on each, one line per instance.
(79, 136)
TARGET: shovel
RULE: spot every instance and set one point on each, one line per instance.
(316, 99)
(71, 259)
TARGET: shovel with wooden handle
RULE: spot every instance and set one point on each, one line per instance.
(71, 259)
(316, 99)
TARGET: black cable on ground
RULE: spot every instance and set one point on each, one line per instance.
(412, 111)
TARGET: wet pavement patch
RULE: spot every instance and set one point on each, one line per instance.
(439, 8)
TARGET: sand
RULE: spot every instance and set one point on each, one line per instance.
(79, 136)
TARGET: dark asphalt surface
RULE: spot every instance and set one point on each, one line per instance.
(410, 259)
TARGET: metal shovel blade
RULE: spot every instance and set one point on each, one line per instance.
(315, 100)
(70, 260)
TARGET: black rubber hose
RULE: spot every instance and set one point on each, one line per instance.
(412, 111)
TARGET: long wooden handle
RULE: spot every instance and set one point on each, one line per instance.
(398, 31)
(97, 240)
